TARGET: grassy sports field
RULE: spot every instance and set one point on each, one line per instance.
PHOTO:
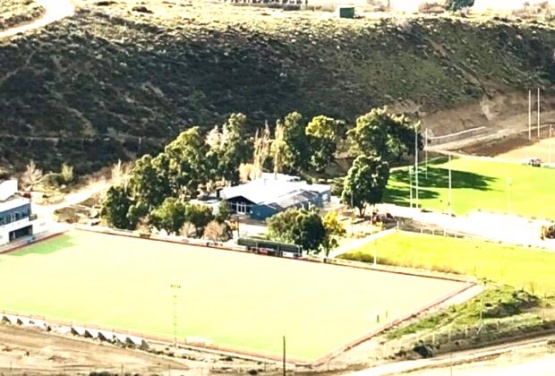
(238, 300)
(479, 184)
(526, 268)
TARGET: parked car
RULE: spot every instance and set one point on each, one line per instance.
(535, 162)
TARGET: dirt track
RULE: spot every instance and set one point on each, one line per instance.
(35, 352)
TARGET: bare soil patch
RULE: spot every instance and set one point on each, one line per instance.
(35, 352)
(517, 146)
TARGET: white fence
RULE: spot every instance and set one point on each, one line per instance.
(458, 136)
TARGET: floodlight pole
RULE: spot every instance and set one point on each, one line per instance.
(410, 186)
(175, 288)
(352, 213)
(284, 357)
(426, 150)
(550, 142)
(539, 102)
(529, 114)
(450, 188)
(416, 163)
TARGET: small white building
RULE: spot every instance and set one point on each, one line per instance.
(16, 218)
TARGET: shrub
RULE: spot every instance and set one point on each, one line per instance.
(455, 5)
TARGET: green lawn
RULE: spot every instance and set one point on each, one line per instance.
(237, 300)
(478, 184)
(526, 268)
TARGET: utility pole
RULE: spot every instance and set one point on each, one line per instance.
(529, 114)
(426, 150)
(550, 142)
(410, 186)
(416, 163)
(284, 357)
(450, 188)
(175, 288)
(539, 111)
(352, 213)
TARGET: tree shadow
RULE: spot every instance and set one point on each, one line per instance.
(400, 196)
(45, 247)
(438, 177)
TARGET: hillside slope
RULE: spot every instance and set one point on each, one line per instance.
(117, 80)
(16, 12)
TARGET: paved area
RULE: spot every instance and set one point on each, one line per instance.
(494, 227)
(359, 243)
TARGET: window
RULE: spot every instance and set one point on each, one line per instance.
(241, 208)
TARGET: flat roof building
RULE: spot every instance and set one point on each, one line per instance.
(16, 218)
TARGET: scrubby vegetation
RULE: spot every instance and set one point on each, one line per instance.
(497, 302)
(113, 83)
(16, 12)
(500, 313)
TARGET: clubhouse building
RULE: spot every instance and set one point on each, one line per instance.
(273, 193)
(16, 218)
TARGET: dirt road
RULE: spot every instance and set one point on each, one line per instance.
(533, 356)
(55, 11)
(32, 351)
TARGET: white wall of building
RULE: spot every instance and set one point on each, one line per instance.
(7, 189)
(39, 226)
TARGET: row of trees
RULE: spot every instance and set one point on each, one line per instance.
(378, 139)
(156, 190)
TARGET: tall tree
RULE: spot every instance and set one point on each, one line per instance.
(310, 231)
(365, 182)
(32, 175)
(262, 150)
(385, 135)
(189, 164)
(278, 147)
(115, 208)
(334, 230)
(120, 174)
(281, 225)
(322, 133)
(149, 181)
(230, 147)
(301, 227)
(295, 155)
(199, 216)
(169, 216)
(224, 212)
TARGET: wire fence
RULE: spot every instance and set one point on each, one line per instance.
(452, 137)
(488, 331)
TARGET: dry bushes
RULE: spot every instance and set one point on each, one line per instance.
(16, 12)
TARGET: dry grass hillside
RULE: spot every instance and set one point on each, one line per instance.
(120, 77)
(16, 12)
